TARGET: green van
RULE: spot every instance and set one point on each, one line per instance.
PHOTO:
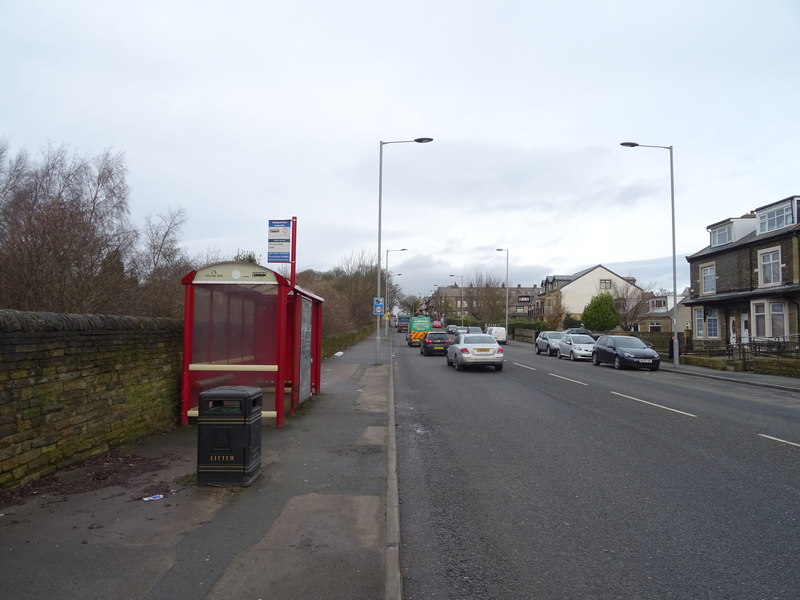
(417, 328)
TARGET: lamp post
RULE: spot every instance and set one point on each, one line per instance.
(462, 298)
(675, 345)
(506, 251)
(387, 306)
(421, 140)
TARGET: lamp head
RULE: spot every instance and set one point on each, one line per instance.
(629, 144)
(423, 140)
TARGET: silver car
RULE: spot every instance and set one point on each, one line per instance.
(576, 346)
(547, 341)
(475, 349)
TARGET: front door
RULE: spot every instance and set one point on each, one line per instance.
(744, 323)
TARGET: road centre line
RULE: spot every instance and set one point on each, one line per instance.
(524, 366)
(654, 404)
(769, 437)
(568, 379)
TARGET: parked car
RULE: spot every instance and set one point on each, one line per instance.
(624, 351)
(498, 333)
(475, 349)
(547, 341)
(582, 330)
(436, 325)
(435, 342)
(474, 329)
(576, 346)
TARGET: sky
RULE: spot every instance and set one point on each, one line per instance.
(244, 111)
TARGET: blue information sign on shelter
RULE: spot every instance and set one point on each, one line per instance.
(280, 241)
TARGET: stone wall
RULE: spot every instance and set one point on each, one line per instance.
(76, 385)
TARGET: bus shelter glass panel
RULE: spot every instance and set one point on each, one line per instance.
(305, 350)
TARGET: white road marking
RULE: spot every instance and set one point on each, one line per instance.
(568, 379)
(654, 404)
(769, 437)
(524, 366)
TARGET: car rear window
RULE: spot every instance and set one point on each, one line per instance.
(479, 339)
(438, 337)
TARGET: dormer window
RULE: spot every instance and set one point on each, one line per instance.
(777, 218)
(721, 235)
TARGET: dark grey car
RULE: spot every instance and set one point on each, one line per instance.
(625, 351)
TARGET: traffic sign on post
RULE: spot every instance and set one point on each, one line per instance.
(377, 306)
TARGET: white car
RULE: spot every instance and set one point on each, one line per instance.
(475, 349)
(576, 346)
(498, 333)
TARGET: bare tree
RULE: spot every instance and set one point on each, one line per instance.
(485, 297)
(348, 290)
(631, 304)
(65, 241)
(160, 266)
(409, 303)
(555, 312)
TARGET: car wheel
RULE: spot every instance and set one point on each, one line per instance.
(459, 367)
(550, 351)
(537, 350)
(595, 360)
(617, 363)
(449, 362)
(571, 355)
(498, 367)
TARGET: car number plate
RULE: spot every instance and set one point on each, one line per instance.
(482, 350)
(438, 347)
(645, 360)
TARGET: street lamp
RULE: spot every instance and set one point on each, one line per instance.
(462, 298)
(421, 140)
(675, 345)
(387, 306)
(506, 251)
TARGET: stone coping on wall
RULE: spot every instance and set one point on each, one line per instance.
(20, 321)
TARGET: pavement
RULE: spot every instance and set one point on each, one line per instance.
(321, 521)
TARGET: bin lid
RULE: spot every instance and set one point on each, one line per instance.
(232, 391)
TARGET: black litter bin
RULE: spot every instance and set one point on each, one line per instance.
(229, 435)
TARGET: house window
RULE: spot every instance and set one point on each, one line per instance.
(698, 322)
(769, 319)
(777, 319)
(655, 325)
(605, 284)
(769, 266)
(721, 235)
(776, 218)
(712, 321)
(708, 279)
(524, 299)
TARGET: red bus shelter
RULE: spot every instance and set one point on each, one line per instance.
(245, 324)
